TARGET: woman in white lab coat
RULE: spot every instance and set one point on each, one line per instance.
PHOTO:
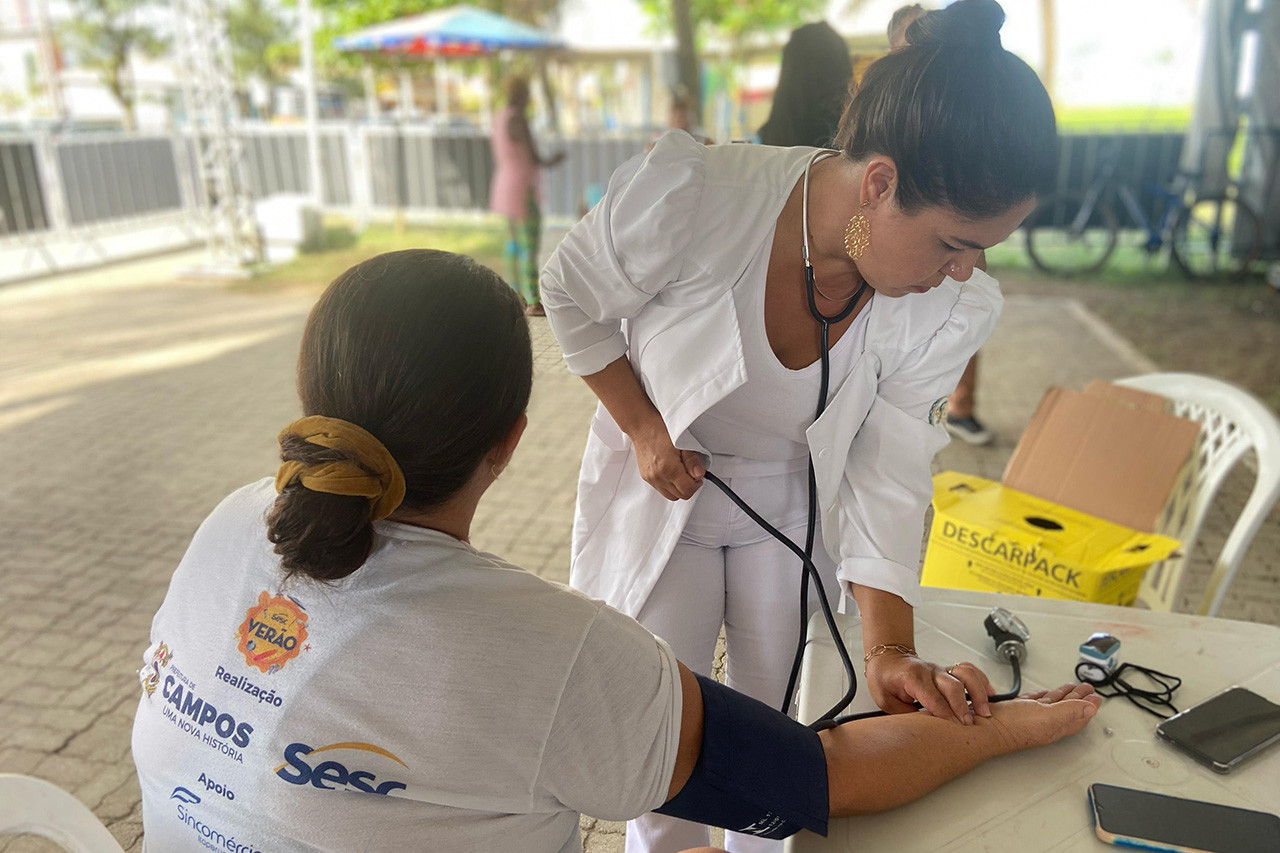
(682, 300)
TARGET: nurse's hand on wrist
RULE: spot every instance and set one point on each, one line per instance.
(676, 474)
(897, 681)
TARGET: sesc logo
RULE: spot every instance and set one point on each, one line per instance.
(334, 775)
(183, 795)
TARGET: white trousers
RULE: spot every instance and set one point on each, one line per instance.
(727, 570)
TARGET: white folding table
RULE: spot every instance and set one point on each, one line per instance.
(1036, 801)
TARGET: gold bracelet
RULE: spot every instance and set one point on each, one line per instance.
(885, 648)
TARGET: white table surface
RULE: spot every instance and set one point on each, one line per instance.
(1036, 801)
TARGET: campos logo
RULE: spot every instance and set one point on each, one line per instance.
(334, 775)
(274, 632)
(202, 713)
(183, 795)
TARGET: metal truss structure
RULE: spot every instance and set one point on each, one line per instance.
(222, 187)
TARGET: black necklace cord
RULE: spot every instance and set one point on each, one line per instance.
(1158, 691)
(828, 319)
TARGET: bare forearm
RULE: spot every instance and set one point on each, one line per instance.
(885, 762)
(886, 618)
(625, 398)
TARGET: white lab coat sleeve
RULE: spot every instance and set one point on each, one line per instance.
(624, 252)
(888, 483)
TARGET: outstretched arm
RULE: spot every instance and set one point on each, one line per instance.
(884, 762)
(518, 129)
(880, 763)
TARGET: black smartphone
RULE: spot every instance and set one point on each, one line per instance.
(1224, 730)
(1150, 821)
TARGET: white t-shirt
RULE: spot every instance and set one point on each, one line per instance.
(438, 699)
(765, 417)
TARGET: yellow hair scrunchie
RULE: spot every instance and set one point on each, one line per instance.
(384, 488)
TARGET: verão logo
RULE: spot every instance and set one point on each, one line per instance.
(274, 632)
(335, 775)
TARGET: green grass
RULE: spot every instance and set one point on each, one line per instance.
(1122, 119)
(1129, 264)
(341, 248)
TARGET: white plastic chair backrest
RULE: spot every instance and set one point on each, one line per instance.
(1232, 423)
(36, 807)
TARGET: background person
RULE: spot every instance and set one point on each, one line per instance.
(813, 87)
(962, 419)
(700, 251)
(516, 190)
(903, 17)
(681, 116)
(336, 668)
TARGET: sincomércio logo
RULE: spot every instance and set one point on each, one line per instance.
(181, 793)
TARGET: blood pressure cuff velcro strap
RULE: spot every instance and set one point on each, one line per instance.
(760, 772)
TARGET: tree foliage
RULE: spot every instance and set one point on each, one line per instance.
(263, 41)
(103, 36)
(735, 20)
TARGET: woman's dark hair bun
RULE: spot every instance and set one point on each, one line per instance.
(320, 535)
(975, 23)
(968, 125)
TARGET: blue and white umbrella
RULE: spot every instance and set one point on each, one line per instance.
(456, 31)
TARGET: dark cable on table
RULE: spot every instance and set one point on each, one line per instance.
(1118, 685)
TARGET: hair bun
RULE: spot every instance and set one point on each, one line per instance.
(975, 23)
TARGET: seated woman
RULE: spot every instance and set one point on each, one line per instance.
(335, 667)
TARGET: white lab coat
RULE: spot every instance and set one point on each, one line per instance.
(649, 272)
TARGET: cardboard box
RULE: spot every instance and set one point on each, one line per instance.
(1083, 492)
(1108, 451)
(990, 537)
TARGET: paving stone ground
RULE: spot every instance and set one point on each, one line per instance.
(130, 404)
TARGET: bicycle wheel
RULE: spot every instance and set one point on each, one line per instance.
(1216, 237)
(1059, 242)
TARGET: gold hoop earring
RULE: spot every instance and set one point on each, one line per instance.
(493, 469)
(857, 235)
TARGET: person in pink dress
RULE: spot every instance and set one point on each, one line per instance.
(516, 191)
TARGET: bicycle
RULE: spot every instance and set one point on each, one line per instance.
(1076, 233)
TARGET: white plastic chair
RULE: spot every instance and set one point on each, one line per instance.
(1232, 423)
(35, 807)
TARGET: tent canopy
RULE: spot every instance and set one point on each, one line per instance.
(457, 31)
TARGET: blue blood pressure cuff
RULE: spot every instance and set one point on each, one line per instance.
(760, 772)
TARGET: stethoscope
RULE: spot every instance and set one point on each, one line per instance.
(1011, 642)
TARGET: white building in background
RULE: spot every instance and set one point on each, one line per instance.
(41, 85)
(1135, 52)
(22, 83)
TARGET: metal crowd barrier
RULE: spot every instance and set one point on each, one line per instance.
(75, 185)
